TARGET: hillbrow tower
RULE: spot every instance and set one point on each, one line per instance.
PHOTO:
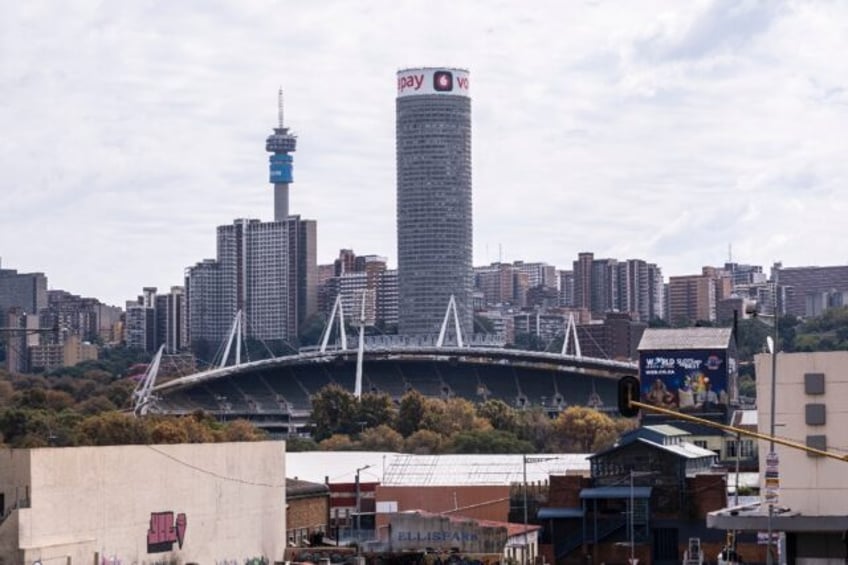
(434, 224)
(280, 144)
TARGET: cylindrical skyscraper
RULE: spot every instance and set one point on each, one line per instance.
(434, 226)
(280, 144)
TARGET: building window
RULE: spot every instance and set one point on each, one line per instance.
(745, 447)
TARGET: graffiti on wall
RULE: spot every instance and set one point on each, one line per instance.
(165, 530)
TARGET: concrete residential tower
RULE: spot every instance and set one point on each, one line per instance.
(434, 224)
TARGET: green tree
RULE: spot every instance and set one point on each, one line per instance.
(536, 426)
(499, 414)
(747, 386)
(488, 441)
(295, 444)
(338, 442)
(449, 416)
(168, 431)
(381, 438)
(334, 411)
(410, 413)
(375, 409)
(113, 428)
(424, 442)
(242, 430)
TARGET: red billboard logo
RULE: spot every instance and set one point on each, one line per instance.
(443, 81)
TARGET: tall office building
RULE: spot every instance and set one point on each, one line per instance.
(434, 223)
(280, 144)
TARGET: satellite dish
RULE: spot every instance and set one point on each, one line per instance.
(770, 344)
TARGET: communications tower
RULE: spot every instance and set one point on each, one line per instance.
(280, 144)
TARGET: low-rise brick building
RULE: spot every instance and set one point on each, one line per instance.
(307, 511)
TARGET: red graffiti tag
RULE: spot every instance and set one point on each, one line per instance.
(164, 531)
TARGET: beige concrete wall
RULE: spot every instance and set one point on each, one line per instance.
(811, 485)
(92, 502)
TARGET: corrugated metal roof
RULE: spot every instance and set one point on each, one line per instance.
(683, 449)
(400, 469)
(616, 492)
(667, 430)
(685, 338)
(296, 487)
(555, 513)
(457, 470)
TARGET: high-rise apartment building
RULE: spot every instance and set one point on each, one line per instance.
(140, 325)
(171, 327)
(691, 298)
(25, 291)
(633, 286)
(566, 289)
(434, 215)
(582, 269)
(496, 282)
(357, 275)
(809, 291)
(86, 318)
(268, 271)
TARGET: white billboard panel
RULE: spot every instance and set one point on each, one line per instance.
(432, 80)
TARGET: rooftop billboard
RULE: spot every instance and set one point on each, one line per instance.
(432, 80)
(687, 380)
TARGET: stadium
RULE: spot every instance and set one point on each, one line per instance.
(274, 394)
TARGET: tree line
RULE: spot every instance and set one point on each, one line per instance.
(428, 425)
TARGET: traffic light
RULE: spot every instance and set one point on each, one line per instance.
(628, 389)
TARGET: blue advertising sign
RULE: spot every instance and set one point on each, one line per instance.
(281, 168)
(686, 380)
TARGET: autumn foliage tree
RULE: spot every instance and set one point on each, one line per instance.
(584, 430)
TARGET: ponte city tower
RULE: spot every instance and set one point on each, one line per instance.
(434, 224)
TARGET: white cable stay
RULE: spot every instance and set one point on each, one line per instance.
(328, 329)
(236, 333)
(360, 351)
(571, 327)
(143, 391)
(451, 308)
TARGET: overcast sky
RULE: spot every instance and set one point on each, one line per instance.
(652, 129)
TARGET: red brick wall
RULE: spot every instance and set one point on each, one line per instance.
(481, 502)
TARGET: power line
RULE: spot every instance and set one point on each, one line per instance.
(213, 473)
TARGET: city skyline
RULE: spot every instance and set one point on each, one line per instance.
(132, 146)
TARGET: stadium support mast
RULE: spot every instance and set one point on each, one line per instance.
(280, 144)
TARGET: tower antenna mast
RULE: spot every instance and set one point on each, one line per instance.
(280, 107)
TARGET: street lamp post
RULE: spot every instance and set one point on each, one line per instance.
(524, 552)
(772, 455)
(358, 506)
(632, 517)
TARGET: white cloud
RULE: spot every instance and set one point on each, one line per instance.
(652, 129)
